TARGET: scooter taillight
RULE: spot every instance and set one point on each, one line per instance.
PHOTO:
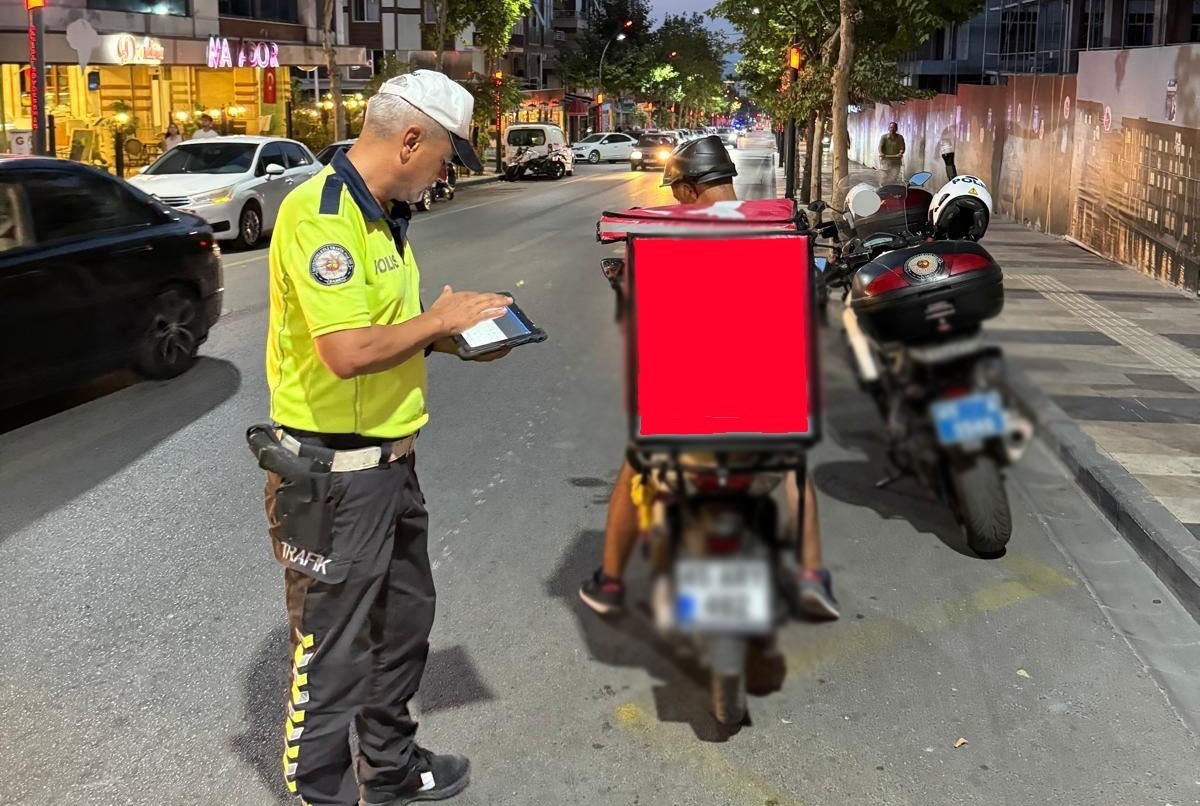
(889, 281)
(710, 483)
(721, 545)
(953, 264)
(966, 262)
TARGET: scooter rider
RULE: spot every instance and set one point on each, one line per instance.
(701, 172)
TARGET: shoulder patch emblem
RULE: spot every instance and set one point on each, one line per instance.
(331, 265)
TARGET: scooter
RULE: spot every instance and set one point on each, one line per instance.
(526, 161)
(712, 532)
(916, 289)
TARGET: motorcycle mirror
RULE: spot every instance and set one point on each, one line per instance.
(818, 206)
(919, 179)
(613, 267)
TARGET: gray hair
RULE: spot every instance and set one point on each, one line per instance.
(388, 115)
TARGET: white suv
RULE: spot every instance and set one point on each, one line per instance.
(235, 183)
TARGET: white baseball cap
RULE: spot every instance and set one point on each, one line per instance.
(444, 100)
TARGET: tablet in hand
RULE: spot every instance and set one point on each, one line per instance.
(510, 330)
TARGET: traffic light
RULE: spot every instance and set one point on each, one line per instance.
(627, 24)
(498, 77)
(599, 97)
(795, 58)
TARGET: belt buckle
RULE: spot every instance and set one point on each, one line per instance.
(361, 459)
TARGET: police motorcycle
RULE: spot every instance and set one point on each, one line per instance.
(709, 509)
(526, 161)
(916, 289)
(443, 186)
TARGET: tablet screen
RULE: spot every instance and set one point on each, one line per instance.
(494, 330)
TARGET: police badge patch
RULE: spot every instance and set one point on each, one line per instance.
(331, 265)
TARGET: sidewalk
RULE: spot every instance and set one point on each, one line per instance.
(1108, 364)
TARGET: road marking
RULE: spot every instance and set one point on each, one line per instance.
(232, 264)
(1175, 359)
(716, 771)
(839, 646)
(855, 642)
(532, 241)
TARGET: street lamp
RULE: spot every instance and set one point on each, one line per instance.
(618, 38)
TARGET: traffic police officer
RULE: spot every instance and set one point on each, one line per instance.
(346, 350)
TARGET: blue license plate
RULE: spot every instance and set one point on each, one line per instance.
(969, 419)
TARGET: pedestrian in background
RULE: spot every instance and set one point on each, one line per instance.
(206, 129)
(891, 154)
(346, 348)
(172, 138)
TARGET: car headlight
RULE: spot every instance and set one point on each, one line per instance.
(218, 196)
(664, 154)
(635, 155)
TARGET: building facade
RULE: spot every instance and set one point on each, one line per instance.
(1045, 37)
(139, 65)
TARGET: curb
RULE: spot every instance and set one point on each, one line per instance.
(486, 179)
(1170, 550)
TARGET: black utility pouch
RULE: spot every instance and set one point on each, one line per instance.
(302, 515)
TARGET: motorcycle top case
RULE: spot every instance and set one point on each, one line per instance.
(929, 293)
(720, 326)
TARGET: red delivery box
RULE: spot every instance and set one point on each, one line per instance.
(720, 325)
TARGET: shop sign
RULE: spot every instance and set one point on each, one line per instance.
(247, 53)
(124, 49)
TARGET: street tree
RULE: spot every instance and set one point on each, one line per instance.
(627, 62)
(494, 21)
(331, 67)
(851, 48)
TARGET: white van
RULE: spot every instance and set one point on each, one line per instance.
(538, 137)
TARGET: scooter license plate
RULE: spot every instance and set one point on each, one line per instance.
(969, 419)
(723, 595)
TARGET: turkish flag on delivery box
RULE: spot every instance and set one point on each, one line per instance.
(720, 326)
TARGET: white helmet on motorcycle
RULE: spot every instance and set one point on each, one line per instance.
(962, 209)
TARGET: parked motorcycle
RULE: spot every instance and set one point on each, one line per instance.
(528, 162)
(443, 186)
(916, 288)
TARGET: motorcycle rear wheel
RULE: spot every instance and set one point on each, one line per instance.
(728, 699)
(983, 505)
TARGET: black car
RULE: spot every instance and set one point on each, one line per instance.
(96, 276)
(651, 151)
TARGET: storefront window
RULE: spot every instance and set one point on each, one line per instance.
(178, 8)
(274, 10)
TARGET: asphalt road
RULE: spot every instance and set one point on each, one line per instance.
(143, 660)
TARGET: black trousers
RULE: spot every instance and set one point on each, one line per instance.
(359, 645)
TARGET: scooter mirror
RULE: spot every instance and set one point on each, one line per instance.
(613, 267)
(919, 179)
(818, 206)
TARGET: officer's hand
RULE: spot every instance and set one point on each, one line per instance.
(462, 310)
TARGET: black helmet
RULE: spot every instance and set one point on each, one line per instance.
(699, 161)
